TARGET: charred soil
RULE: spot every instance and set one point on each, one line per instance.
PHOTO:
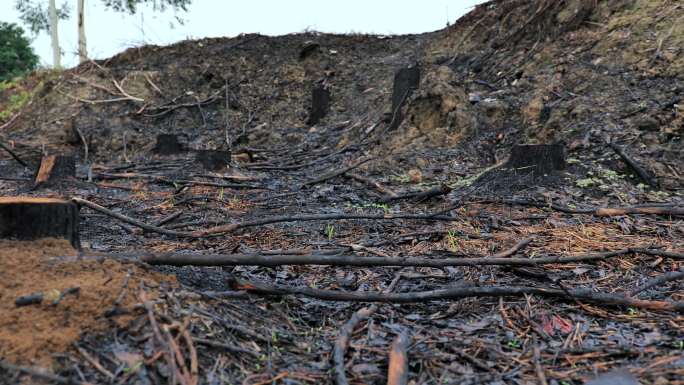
(327, 159)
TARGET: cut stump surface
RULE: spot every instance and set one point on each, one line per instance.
(28, 218)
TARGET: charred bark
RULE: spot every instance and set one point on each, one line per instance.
(405, 81)
(320, 104)
(168, 144)
(213, 160)
(54, 169)
(541, 159)
(29, 218)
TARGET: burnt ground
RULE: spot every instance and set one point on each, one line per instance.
(569, 72)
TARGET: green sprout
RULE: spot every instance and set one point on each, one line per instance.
(330, 231)
(453, 241)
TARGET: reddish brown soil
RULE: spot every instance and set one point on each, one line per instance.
(31, 334)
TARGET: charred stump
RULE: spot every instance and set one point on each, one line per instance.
(405, 81)
(308, 49)
(541, 159)
(168, 144)
(54, 169)
(213, 160)
(27, 218)
(320, 104)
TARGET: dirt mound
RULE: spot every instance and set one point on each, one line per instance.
(578, 72)
(244, 92)
(31, 334)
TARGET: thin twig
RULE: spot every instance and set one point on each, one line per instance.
(96, 364)
(335, 173)
(667, 277)
(37, 373)
(13, 154)
(541, 376)
(129, 220)
(384, 190)
(346, 331)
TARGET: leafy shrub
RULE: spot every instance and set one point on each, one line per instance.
(16, 55)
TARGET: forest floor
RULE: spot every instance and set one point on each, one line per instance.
(217, 319)
(321, 243)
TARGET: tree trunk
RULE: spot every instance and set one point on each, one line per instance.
(320, 104)
(213, 160)
(406, 80)
(54, 35)
(55, 168)
(168, 144)
(82, 51)
(30, 218)
(541, 159)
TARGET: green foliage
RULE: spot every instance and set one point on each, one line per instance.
(330, 231)
(130, 6)
(35, 14)
(16, 55)
(16, 102)
(453, 240)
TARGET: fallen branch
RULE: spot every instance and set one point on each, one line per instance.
(422, 195)
(667, 277)
(13, 154)
(342, 341)
(38, 298)
(37, 373)
(129, 220)
(541, 205)
(634, 165)
(315, 217)
(174, 182)
(384, 190)
(198, 259)
(617, 211)
(513, 250)
(218, 230)
(613, 299)
(335, 173)
(165, 109)
(397, 373)
(660, 253)
(598, 211)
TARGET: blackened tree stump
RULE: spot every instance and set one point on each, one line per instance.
(542, 159)
(168, 144)
(213, 160)
(55, 168)
(308, 49)
(320, 104)
(28, 218)
(405, 81)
